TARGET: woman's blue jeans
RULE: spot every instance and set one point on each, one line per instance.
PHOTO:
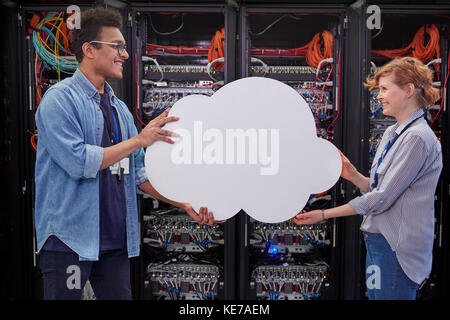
(385, 278)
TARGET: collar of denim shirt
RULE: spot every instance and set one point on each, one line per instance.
(89, 88)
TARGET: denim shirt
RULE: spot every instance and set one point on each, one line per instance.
(70, 127)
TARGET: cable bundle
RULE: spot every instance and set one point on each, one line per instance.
(321, 42)
(217, 48)
(416, 48)
(51, 42)
(318, 49)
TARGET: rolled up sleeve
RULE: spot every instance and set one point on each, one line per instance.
(94, 158)
(61, 134)
(140, 173)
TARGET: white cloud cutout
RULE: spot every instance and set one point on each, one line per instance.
(269, 173)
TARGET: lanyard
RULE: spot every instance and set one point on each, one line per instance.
(388, 147)
(115, 134)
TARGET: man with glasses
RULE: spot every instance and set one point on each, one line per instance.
(121, 47)
(89, 161)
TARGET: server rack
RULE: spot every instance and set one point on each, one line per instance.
(353, 278)
(28, 104)
(35, 76)
(25, 281)
(285, 261)
(170, 46)
(16, 233)
(400, 25)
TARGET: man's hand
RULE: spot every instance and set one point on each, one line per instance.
(153, 131)
(203, 216)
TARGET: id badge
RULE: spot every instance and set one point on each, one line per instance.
(123, 166)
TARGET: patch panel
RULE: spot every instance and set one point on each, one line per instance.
(289, 281)
(158, 99)
(163, 85)
(180, 233)
(149, 69)
(181, 72)
(285, 69)
(320, 103)
(284, 73)
(289, 73)
(288, 237)
(184, 281)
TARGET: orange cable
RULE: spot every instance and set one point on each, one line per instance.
(319, 50)
(416, 48)
(217, 48)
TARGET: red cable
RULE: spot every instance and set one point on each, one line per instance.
(339, 84)
(33, 141)
(321, 97)
(443, 91)
(312, 89)
(137, 89)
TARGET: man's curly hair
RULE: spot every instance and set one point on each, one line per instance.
(90, 23)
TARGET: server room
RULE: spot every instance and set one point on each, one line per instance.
(372, 77)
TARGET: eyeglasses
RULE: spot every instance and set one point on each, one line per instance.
(121, 47)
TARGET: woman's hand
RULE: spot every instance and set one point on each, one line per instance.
(310, 217)
(202, 217)
(349, 171)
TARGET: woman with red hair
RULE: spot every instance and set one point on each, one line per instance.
(397, 201)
